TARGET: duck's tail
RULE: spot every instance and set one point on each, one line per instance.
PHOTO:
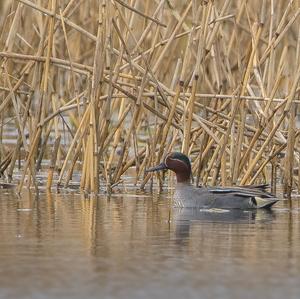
(265, 202)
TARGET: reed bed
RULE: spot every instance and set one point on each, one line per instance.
(104, 87)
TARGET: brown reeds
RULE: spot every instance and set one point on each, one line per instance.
(102, 87)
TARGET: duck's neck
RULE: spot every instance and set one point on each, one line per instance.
(183, 178)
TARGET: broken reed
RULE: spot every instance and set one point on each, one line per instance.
(118, 84)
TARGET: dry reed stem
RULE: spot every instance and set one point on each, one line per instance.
(53, 162)
(131, 81)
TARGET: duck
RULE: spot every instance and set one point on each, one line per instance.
(189, 196)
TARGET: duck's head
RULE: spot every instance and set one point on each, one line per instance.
(177, 162)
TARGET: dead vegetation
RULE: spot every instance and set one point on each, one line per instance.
(102, 86)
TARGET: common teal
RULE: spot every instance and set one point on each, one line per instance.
(189, 196)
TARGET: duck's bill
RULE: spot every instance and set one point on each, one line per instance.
(161, 166)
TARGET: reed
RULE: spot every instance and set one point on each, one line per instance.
(106, 88)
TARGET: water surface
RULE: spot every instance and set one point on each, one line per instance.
(137, 246)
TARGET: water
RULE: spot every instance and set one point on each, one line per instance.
(136, 246)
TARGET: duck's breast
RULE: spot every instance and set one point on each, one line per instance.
(192, 197)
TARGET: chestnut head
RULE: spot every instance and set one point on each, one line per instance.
(177, 162)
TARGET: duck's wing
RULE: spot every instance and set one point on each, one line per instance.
(262, 187)
(243, 190)
(243, 197)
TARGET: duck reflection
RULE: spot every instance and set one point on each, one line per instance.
(184, 218)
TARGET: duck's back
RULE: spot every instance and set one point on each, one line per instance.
(188, 196)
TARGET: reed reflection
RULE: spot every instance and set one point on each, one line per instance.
(123, 242)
